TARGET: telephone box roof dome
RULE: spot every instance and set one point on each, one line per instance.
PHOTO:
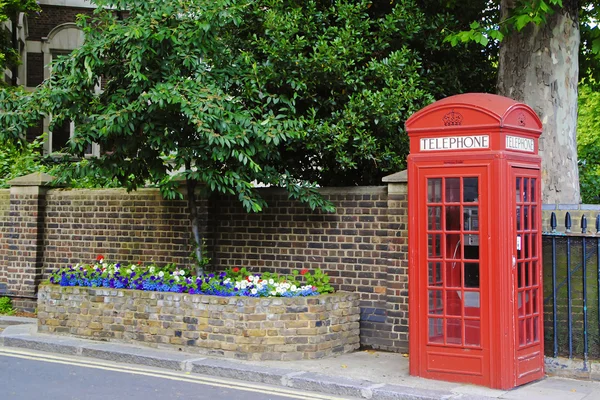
(474, 110)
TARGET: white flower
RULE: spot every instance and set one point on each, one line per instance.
(294, 288)
(175, 273)
(254, 291)
(273, 293)
(271, 282)
(182, 272)
(226, 281)
(176, 278)
(132, 268)
(161, 274)
(151, 269)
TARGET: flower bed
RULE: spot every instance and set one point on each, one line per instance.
(233, 282)
(243, 327)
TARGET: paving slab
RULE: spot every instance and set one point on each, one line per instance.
(136, 355)
(6, 320)
(237, 370)
(556, 389)
(341, 386)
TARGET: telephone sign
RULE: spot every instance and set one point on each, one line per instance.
(455, 143)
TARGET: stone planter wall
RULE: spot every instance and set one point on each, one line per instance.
(236, 327)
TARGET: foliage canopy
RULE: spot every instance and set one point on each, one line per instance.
(233, 92)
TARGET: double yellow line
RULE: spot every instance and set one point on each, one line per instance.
(164, 374)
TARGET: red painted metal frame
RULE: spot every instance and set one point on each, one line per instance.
(501, 361)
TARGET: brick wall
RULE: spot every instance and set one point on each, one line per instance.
(50, 17)
(22, 235)
(136, 226)
(4, 218)
(362, 246)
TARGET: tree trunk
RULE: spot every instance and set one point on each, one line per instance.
(195, 221)
(540, 66)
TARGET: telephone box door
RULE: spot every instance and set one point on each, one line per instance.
(527, 275)
(453, 274)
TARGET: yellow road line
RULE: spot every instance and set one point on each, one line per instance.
(219, 382)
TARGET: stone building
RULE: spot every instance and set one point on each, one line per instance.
(42, 38)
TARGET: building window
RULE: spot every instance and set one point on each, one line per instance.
(35, 69)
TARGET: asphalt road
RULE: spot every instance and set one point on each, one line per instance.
(38, 376)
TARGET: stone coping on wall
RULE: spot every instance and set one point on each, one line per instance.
(576, 211)
(237, 327)
(342, 190)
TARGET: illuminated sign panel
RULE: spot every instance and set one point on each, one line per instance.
(520, 143)
(455, 143)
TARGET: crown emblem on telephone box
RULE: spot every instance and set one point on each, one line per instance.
(453, 119)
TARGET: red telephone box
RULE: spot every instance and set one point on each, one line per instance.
(475, 279)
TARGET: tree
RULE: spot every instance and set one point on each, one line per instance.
(352, 100)
(177, 103)
(356, 70)
(10, 10)
(588, 143)
(539, 64)
(227, 93)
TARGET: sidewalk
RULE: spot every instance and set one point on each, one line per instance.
(364, 374)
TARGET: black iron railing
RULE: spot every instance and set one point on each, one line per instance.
(572, 290)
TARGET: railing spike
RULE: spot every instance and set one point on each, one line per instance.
(568, 222)
(598, 223)
(583, 224)
(553, 224)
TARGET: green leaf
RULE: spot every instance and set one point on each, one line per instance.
(522, 20)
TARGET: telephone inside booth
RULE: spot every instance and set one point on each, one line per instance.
(455, 202)
(462, 253)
